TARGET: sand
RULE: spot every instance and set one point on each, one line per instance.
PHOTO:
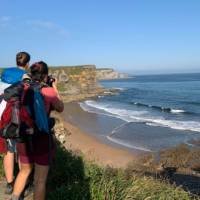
(94, 150)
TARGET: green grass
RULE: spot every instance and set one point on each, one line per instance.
(1, 69)
(73, 70)
(72, 178)
(61, 87)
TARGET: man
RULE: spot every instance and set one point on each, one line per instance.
(10, 76)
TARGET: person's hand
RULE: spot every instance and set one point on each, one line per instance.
(54, 83)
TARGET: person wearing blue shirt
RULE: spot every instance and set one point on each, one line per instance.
(10, 76)
(14, 74)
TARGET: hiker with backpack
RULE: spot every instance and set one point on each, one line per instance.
(8, 147)
(39, 95)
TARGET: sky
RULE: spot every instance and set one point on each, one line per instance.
(135, 36)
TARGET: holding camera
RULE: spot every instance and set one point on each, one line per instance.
(38, 150)
(50, 80)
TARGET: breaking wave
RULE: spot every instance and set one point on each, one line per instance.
(139, 116)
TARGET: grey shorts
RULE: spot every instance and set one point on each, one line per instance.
(11, 145)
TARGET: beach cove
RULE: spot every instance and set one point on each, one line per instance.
(95, 150)
(146, 116)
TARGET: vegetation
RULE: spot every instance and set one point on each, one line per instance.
(72, 178)
(61, 87)
(181, 157)
(73, 70)
(1, 69)
(70, 70)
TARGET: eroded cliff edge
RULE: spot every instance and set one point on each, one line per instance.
(78, 82)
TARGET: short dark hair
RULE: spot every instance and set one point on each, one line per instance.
(39, 70)
(22, 58)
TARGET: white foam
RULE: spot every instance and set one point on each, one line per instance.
(189, 144)
(123, 114)
(91, 110)
(117, 128)
(118, 88)
(140, 116)
(107, 92)
(177, 111)
(151, 124)
(180, 125)
(120, 142)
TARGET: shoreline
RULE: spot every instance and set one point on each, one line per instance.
(93, 149)
(135, 137)
(89, 134)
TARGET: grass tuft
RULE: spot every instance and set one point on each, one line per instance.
(74, 178)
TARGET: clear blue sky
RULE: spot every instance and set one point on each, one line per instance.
(141, 36)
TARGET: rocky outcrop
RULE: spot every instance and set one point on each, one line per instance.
(76, 82)
(80, 82)
(75, 79)
(60, 131)
(108, 73)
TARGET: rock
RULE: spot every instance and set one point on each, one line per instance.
(108, 73)
(60, 131)
(76, 79)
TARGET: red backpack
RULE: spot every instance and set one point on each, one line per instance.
(15, 114)
(25, 110)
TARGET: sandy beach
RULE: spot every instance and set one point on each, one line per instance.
(110, 140)
(93, 148)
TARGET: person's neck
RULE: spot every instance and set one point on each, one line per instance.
(21, 67)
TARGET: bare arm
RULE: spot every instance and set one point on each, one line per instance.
(59, 106)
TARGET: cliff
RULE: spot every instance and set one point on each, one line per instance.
(108, 73)
(76, 82)
(80, 82)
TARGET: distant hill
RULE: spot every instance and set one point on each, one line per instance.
(109, 73)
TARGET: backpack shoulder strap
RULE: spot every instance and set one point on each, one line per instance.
(13, 91)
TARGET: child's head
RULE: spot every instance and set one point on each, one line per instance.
(22, 59)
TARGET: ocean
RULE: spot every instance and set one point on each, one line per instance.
(157, 111)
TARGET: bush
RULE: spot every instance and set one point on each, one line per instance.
(72, 178)
(181, 157)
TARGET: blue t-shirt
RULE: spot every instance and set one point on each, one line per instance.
(12, 75)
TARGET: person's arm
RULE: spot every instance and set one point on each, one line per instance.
(59, 105)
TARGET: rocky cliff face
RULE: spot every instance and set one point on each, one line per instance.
(76, 82)
(107, 73)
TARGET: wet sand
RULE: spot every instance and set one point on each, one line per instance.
(92, 147)
(110, 140)
(135, 137)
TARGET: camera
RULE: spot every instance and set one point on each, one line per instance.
(50, 80)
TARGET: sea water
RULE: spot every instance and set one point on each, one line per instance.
(165, 107)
